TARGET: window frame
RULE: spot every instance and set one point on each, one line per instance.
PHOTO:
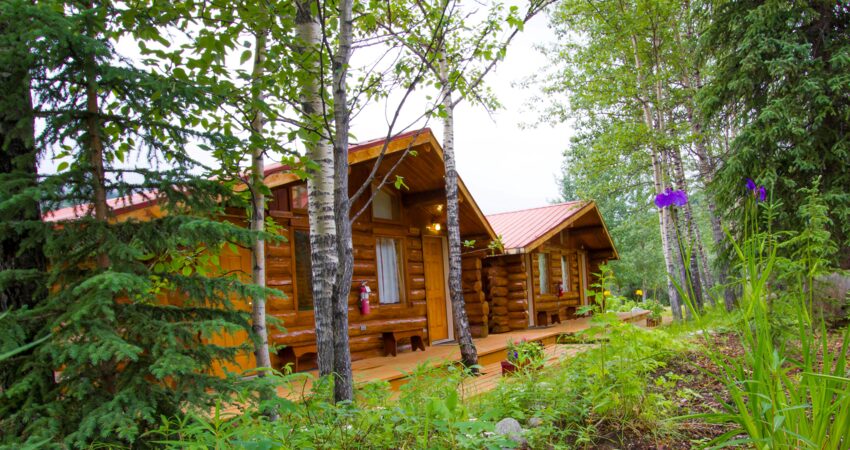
(402, 267)
(394, 196)
(292, 197)
(294, 273)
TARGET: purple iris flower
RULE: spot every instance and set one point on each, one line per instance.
(679, 198)
(759, 192)
(663, 199)
(671, 198)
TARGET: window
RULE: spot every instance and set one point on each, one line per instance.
(543, 268)
(386, 206)
(390, 277)
(565, 274)
(303, 270)
(299, 196)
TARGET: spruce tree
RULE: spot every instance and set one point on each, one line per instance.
(781, 79)
(128, 304)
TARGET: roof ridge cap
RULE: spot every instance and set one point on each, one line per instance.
(539, 207)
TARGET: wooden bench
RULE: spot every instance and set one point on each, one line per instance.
(549, 317)
(291, 354)
(391, 339)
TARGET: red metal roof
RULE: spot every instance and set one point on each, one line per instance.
(520, 228)
(117, 205)
(278, 167)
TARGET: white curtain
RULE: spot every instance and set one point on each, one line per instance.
(543, 267)
(388, 271)
(565, 279)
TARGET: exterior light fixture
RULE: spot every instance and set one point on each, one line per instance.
(435, 223)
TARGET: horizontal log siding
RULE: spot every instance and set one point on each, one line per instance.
(505, 286)
(366, 331)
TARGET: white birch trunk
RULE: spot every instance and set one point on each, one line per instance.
(258, 203)
(664, 218)
(320, 192)
(691, 233)
(468, 352)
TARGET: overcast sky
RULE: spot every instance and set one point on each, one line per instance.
(505, 167)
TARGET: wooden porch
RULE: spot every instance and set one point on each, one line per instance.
(491, 351)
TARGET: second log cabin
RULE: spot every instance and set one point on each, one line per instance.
(550, 256)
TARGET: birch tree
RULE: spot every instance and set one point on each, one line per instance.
(320, 184)
(621, 64)
(258, 206)
(254, 96)
(458, 70)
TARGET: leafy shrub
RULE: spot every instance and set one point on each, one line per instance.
(600, 391)
(429, 413)
(526, 353)
(655, 309)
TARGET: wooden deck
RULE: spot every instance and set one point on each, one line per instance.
(491, 351)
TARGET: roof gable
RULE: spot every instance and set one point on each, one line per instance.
(520, 228)
(524, 230)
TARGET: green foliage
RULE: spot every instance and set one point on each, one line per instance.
(600, 394)
(526, 353)
(595, 83)
(127, 336)
(655, 309)
(429, 413)
(603, 389)
(496, 245)
(790, 388)
(781, 78)
(598, 294)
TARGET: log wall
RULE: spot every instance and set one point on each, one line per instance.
(477, 308)
(365, 331)
(505, 284)
(565, 305)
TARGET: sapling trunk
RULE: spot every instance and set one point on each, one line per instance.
(343, 379)
(95, 148)
(258, 209)
(469, 355)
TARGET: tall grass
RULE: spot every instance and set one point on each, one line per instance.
(787, 390)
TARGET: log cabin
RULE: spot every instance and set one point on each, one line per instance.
(400, 252)
(549, 258)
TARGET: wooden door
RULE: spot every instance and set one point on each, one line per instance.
(435, 288)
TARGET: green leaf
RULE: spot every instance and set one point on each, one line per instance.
(246, 55)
